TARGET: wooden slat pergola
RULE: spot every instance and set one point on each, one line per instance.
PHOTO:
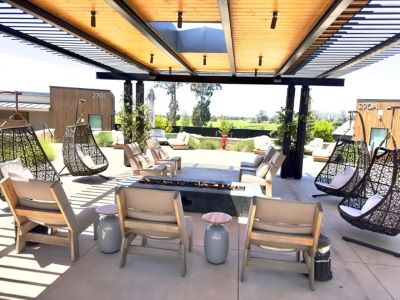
(286, 42)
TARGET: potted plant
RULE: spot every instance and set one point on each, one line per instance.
(224, 129)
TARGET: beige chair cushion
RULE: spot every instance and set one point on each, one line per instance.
(14, 168)
(303, 229)
(350, 210)
(262, 170)
(258, 160)
(159, 203)
(86, 217)
(269, 153)
(342, 178)
(144, 161)
(371, 203)
(163, 154)
(279, 212)
(151, 216)
(39, 204)
(181, 136)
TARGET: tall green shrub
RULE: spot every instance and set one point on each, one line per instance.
(323, 129)
(104, 139)
(48, 147)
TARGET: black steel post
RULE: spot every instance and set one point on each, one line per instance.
(287, 167)
(301, 131)
(128, 110)
(140, 102)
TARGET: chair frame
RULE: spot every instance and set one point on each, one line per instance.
(307, 245)
(22, 217)
(126, 225)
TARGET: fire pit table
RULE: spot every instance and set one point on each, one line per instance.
(202, 196)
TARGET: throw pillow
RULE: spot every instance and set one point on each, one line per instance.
(371, 203)
(258, 160)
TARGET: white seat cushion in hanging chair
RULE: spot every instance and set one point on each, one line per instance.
(371, 203)
(14, 168)
(340, 179)
(350, 210)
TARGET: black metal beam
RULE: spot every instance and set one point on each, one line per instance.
(287, 167)
(30, 39)
(226, 26)
(334, 11)
(224, 79)
(386, 45)
(135, 20)
(42, 14)
(301, 131)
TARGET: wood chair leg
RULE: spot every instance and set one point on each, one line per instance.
(298, 256)
(182, 254)
(191, 243)
(95, 228)
(21, 243)
(144, 241)
(123, 252)
(311, 274)
(74, 246)
(244, 264)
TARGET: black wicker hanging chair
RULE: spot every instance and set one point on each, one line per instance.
(382, 179)
(18, 140)
(346, 154)
(82, 156)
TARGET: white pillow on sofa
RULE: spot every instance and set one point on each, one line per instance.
(371, 203)
(342, 178)
(258, 160)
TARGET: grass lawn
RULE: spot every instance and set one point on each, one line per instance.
(242, 124)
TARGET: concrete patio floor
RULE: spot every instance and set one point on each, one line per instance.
(45, 272)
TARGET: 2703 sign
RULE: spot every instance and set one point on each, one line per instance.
(99, 95)
(366, 106)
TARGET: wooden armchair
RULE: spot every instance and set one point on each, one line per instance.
(153, 214)
(141, 164)
(284, 226)
(258, 160)
(161, 157)
(33, 202)
(265, 173)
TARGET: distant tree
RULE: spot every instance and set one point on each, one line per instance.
(262, 116)
(185, 119)
(323, 129)
(173, 106)
(201, 112)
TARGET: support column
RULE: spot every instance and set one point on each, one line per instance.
(128, 103)
(140, 101)
(288, 166)
(301, 131)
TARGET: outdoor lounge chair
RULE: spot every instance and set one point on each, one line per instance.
(162, 157)
(283, 226)
(258, 160)
(33, 202)
(141, 164)
(265, 173)
(322, 155)
(156, 215)
(315, 144)
(181, 142)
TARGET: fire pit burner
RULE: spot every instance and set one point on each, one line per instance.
(198, 184)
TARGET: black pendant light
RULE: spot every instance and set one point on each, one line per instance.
(204, 60)
(180, 13)
(93, 18)
(255, 72)
(151, 58)
(274, 19)
(260, 61)
(170, 70)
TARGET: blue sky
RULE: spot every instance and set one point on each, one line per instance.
(26, 68)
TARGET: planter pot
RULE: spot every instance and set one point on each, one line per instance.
(224, 141)
(288, 168)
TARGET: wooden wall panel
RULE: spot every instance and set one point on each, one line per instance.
(369, 111)
(63, 103)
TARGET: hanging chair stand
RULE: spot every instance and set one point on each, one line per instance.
(345, 154)
(383, 177)
(82, 156)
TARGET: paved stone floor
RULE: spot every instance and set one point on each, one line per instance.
(45, 271)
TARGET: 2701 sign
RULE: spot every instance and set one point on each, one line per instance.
(99, 95)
